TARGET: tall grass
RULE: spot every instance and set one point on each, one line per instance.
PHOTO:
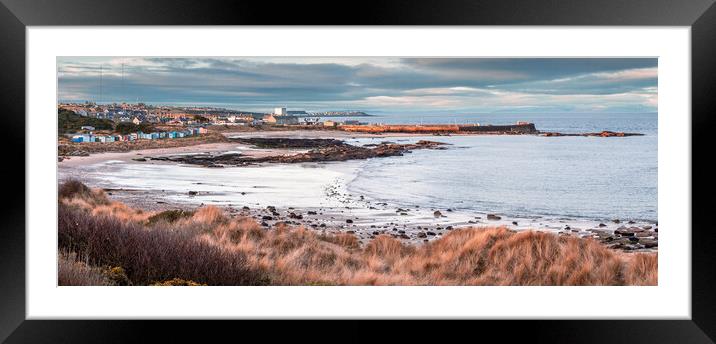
(210, 248)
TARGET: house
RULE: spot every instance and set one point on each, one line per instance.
(280, 120)
(76, 138)
(87, 127)
(329, 124)
(310, 120)
(136, 120)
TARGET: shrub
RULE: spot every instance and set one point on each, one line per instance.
(74, 189)
(169, 216)
(117, 275)
(152, 255)
(177, 282)
(73, 272)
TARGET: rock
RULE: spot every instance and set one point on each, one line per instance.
(646, 227)
(295, 216)
(403, 214)
(602, 225)
(422, 235)
(514, 223)
(351, 232)
(430, 233)
(192, 193)
(139, 159)
(448, 228)
(311, 213)
(625, 233)
(493, 217)
(437, 213)
(266, 217)
(649, 243)
(643, 234)
(245, 208)
(631, 222)
(616, 221)
(403, 236)
(400, 231)
(349, 221)
(264, 224)
(449, 210)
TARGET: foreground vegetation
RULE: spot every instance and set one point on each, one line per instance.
(103, 243)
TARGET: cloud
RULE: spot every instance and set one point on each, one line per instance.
(420, 84)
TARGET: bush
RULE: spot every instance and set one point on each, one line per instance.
(70, 122)
(75, 189)
(177, 282)
(169, 216)
(149, 255)
(125, 128)
(73, 272)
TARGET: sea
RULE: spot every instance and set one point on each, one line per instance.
(525, 176)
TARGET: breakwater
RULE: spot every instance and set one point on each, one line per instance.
(520, 128)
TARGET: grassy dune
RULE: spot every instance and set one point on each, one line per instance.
(207, 247)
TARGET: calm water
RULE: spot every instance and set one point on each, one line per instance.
(571, 177)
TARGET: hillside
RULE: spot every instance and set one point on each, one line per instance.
(69, 122)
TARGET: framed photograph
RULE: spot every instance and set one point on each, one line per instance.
(453, 161)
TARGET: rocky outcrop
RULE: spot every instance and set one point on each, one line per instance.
(327, 151)
(599, 134)
(269, 143)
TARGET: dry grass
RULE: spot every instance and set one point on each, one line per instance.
(73, 272)
(298, 256)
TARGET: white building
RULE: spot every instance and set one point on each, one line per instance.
(279, 111)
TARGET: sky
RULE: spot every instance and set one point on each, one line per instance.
(371, 84)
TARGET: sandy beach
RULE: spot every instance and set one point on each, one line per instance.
(285, 193)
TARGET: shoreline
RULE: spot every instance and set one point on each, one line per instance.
(413, 225)
(350, 213)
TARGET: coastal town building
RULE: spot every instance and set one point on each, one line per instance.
(280, 120)
(279, 111)
(139, 135)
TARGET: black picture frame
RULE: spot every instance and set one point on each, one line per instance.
(699, 15)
